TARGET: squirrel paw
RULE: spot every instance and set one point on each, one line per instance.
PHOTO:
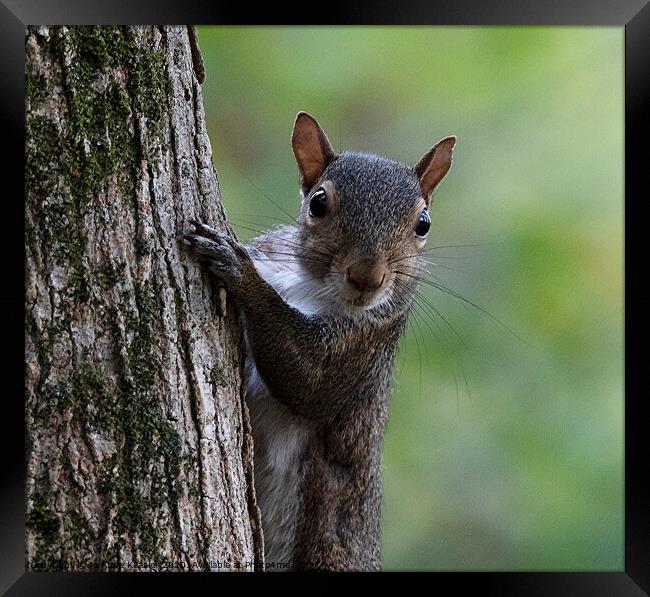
(225, 256)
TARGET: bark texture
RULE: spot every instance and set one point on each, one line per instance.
(138, 445)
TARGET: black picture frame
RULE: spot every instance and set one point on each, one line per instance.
(634, 15)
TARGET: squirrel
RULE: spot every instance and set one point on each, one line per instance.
(323, 305)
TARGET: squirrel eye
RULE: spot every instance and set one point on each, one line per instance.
(423, 225)
(318, 204)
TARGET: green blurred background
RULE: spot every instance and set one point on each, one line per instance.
(522, 467)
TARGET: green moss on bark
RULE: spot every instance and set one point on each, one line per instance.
(45, 526)
(41, 519)
(114, 89)
(109, 275)
(36, 88)
(151, 450)
(92, 400)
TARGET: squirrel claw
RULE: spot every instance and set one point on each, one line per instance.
(226, 257)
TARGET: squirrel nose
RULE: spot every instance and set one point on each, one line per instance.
(364, 277)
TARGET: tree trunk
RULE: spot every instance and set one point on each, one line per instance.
(138, 443)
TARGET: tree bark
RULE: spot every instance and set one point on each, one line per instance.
(138, 444)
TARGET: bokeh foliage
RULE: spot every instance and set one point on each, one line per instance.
(522, 466)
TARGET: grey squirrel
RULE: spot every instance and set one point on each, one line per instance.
(323, 306)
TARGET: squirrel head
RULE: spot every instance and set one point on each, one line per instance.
(364, 219)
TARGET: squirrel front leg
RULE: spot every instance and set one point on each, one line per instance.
(296, 355)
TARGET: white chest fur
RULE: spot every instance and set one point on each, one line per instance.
(296, 286)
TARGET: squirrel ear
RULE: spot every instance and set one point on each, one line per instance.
(434, 164)
(312, 149)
